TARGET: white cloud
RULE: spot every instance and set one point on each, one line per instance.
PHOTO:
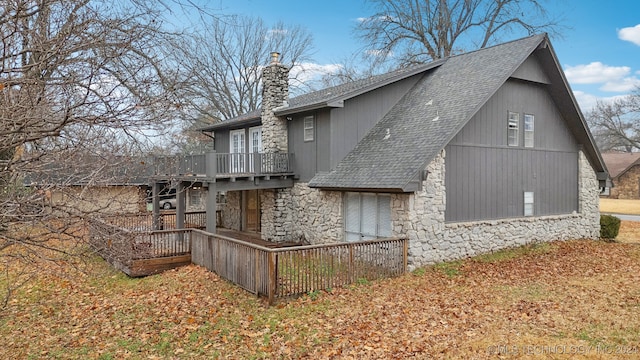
(588, 101)
(595, 73)
(623, 85)
(631, 34)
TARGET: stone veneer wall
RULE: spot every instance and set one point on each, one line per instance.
(231, 215)
(302, 214)
(627, 185)
(420, 216)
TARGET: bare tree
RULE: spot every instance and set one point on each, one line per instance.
(220, 65)
(418, 31)
(616, 125)
(81, 86)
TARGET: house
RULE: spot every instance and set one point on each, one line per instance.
(624, 169)
(465, 155)
(115, 185)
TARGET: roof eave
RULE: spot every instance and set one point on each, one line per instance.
(224, 125)
(306, 108)
(360, 189)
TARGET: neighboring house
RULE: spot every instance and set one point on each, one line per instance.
(624, 169)
(89, 184)
(119, 185)
(465, 155)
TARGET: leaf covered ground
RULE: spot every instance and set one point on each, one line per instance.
(557, 300)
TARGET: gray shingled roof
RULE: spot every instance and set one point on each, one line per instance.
(324, 97)
(426, 119)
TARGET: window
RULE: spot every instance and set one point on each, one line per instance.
(255, 139)
(194, 196)
(512, 129)
(367, 216)
(308, 128)
(236, 158)
(528, 203)
(528, 130)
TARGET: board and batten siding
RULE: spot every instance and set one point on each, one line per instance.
(310, 156)
(486, 179)
(221, 142)
(352, 122)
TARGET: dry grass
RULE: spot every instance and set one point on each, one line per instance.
(581, 298)
(620, 206)
(629, 232)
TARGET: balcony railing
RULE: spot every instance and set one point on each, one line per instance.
(225, 164)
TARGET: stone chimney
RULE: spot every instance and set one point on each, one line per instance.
(275, 92)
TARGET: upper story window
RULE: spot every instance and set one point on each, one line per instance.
(255, 139)
(309, 128)
(528, 130)
(512, 128)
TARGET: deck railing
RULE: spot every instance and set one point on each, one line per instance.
(167, 221)
(226, 164)
(122, 247)
(271, 272)
(290, 271)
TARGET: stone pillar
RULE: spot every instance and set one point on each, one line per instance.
(588, 197)
(275, 92)
(276, 204)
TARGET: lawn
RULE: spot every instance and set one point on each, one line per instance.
(553, 300)
(620, 206)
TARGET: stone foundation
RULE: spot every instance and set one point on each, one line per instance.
(302, 214)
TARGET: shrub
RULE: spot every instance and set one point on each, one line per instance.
(609, 227)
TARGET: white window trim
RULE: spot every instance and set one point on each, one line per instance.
(378, 228)
(308, 124)
(235, 132)
(237, 164)
(255, 129)
(513, 118)
(529, 134)
(529, 203)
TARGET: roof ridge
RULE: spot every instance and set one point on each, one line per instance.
(541, 35)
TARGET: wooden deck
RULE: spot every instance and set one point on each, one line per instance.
(146, 267)
(254, 238)
(273, 270)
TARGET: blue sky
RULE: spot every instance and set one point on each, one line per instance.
(599, 50)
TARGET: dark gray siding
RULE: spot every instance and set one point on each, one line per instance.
(310, 156)
(350, 123)
(530, 70)
(486, 179)
(489, 183)
(221, 142)
(489, 126)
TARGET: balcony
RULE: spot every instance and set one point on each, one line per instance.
(223, 166)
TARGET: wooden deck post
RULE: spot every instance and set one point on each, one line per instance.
(272, 278)
(212, 192)
(405, 254)
(155, 201)
(180, 207)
